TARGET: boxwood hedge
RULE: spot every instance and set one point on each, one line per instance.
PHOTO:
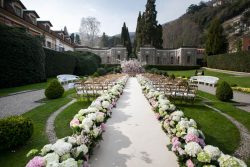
(239, 61)
(22, 58)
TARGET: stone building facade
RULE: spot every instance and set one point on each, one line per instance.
(185, 56)
(108, 55)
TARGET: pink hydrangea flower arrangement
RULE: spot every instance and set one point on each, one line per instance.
(37, 161)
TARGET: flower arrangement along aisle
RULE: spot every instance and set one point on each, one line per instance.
(187, 141)
(88, 126)
(132, 67)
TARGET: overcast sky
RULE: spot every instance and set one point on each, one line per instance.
(111, 13)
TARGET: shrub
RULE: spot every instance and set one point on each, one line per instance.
(224, 92)
(96, 74)
(172, 76)
(57, 63)
(101, 71)
(14, 131)
(22, 58)
(54, 90)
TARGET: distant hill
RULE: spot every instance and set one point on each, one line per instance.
(190, 28)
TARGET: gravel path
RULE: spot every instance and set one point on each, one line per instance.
(50, 128)
(243, 151)
(20, 103)
(242, 98)
(229, 72)
(133, 136)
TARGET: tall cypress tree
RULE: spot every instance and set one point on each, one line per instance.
(216, 42)
(148, 31)
(125, 38)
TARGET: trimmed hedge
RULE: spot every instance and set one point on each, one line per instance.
(58, 63)
(86, 63)
(54, 90)
(15, 131)
(22, 58)
(239, 61)
(162, 67)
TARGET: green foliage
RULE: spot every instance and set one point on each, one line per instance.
(148, 31)
(86, 63)
(241, 61)
(216, 42)
(125, 38)
(78, 41)
(58, 63)
(54, 90)
(172, 76)
(15, 131)
(96, 74)
(224, 92)
(101, 71)
(22, 58)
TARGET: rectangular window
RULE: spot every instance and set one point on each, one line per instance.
(48, 44)
(188, 59)
(158, 60)
(18, 11)
(33, 19)
(172, 60)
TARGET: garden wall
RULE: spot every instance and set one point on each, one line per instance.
(239, 61)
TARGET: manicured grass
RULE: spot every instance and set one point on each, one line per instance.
(36, 86)
(39, 115)
(231, 79)
(228, 108)
(218, 130)
(62, 121)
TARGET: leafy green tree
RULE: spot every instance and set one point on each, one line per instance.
(216, 42)
(148, 31)
(77, 40)
(72, 37)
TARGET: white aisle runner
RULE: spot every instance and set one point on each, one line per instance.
(133, 136)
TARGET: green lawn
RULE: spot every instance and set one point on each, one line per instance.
(36, 86)
(62, 121)
(231, 79)
(39, 115)
(218, 130)
(228, 108)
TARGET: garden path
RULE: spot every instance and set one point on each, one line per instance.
(20, 103)
(50, 128)
(133, 136)
(229, 72)
(243, 99)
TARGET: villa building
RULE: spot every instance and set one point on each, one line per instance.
(184, 56)
(14, 14)
(108, 55)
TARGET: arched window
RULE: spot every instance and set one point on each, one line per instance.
(108, 60)
(119, 57)
(178, 59)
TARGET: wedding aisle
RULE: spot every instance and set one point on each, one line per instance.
(133, 136)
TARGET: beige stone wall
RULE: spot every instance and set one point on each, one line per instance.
(181, 56)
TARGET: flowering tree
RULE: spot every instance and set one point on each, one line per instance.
(131, 66)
